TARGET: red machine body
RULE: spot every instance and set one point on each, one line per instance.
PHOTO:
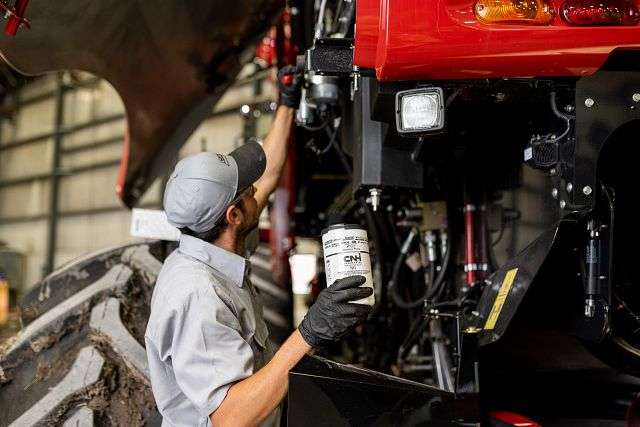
(417, 39)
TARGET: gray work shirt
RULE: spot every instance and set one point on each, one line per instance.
(206, 331)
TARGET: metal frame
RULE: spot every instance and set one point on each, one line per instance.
(605, 102)
(54, 190)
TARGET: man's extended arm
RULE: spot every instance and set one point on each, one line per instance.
(275, 147)
(251, 400)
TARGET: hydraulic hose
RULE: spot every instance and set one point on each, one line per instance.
(431, 290)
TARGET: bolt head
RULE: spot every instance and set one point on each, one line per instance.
(554, 193)
(587, 190)
(563, 204)
(569, 187)
(636, 97)
(589, 102)
(553, 171)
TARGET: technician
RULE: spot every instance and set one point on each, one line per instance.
(210, 359)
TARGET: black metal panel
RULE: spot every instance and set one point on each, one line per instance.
(528, 264)
(604, 102)
(325, 393)
(375, 163)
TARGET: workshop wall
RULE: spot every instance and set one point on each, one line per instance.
(87, 120)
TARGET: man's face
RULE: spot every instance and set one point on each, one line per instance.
(249, 206)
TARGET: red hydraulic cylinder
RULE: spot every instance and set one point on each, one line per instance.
(470, 246)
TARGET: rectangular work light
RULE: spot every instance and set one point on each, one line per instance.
(419, 110)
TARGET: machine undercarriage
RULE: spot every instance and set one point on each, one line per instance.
(501, 236)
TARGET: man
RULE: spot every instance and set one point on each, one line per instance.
(207, 343)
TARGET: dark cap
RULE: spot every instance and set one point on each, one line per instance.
(203, 185)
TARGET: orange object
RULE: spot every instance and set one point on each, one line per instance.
(4, 299)
(527, 12)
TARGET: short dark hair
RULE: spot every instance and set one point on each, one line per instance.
(212, 235)
(208, 236)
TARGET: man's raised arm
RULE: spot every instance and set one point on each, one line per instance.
(276, 143)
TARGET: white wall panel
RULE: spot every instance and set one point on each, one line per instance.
(29, 239)
(37, 87)
(34, 119)
(80, 235)
(29, 199)
(89, 190)
(95, 133)
(88, 103)
(26, 160)
(100, 154)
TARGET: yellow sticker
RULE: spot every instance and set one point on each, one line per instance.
(501, 298)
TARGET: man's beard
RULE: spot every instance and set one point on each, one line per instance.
(247, 228)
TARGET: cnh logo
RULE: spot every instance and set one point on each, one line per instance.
(353, 258)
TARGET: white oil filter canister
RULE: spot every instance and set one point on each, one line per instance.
(346, 253)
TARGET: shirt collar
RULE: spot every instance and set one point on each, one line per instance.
(231, 265)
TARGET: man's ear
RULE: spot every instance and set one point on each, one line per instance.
(233, 215)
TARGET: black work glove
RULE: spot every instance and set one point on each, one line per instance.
(333, 315)
(290, 86)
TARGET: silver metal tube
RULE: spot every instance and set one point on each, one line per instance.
(320, 23)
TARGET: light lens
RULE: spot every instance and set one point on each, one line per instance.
(600, 12)
(529, 12)
(420, 110)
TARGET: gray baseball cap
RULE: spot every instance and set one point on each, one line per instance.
(202, 186)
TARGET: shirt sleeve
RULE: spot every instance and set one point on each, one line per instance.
(208, 352)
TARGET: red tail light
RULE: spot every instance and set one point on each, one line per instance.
(600, 12)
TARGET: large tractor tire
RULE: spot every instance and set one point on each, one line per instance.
(79, 359)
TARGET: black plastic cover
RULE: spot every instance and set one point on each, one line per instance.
(325, 393)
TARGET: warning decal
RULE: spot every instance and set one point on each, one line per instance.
(501, 298)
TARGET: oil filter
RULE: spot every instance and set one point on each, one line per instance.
(346, 253)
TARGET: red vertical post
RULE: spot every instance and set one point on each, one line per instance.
(282, 236)
(470, 248)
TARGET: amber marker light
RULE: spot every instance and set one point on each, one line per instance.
(519, 12)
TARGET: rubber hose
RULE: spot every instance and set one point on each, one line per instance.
(429, 293)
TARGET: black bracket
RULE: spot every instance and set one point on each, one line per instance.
(605, 101)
